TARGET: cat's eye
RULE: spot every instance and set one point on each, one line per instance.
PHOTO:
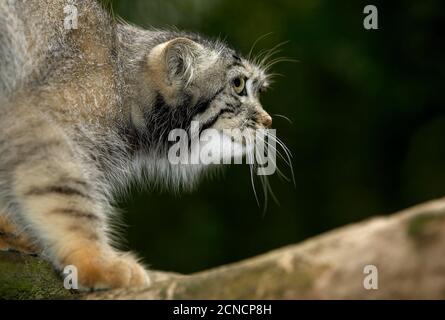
(239, 85)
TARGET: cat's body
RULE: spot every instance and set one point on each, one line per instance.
(84, 110)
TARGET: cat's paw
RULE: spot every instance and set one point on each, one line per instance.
(107, 270)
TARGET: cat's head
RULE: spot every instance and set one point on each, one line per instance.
(205, 82)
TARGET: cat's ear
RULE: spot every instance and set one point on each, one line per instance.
(176, 61)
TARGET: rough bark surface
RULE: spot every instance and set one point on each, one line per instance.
(408, 249)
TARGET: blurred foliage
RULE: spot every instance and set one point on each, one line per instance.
(367, 136)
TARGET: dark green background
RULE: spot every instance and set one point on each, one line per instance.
(368, 131)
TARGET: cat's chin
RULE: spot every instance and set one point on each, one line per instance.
(184, 168)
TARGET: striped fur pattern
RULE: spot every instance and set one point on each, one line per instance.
(84, 111)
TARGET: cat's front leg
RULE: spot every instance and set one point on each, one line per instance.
(58, 206)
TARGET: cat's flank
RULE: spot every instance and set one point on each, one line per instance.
(84, 110)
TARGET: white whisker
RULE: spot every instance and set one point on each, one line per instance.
(280, 173)
(256, 42)
(288, 155)
(251, 162)
(282, 116)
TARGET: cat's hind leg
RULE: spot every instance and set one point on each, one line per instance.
(12, 238)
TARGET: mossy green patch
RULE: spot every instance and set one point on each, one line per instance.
(421, 227)
(27, 277)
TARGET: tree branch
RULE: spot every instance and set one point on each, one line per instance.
(408, 249)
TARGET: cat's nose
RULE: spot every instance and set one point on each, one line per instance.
(266, 120)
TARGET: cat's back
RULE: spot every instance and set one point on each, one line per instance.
(41, 39)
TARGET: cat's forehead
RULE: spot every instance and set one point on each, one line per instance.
(257, 75)
(255, 71)
(249, 69)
